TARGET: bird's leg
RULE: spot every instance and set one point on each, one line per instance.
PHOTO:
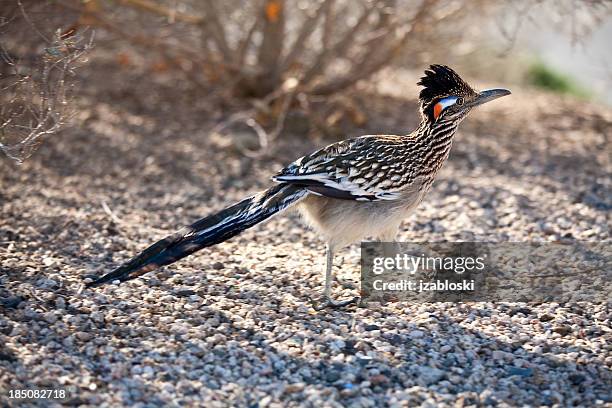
(327, 300)
(390, 248)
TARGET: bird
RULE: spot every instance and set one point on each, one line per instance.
(347, 191)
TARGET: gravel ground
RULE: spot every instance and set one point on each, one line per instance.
(232, 325)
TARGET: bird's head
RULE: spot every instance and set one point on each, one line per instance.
(447, 97)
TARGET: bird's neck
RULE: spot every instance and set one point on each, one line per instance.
(435, 140)
(437, 134)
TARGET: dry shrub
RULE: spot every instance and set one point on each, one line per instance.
(37, 60)
(279, 55)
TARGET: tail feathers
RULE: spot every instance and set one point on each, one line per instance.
(208, 231)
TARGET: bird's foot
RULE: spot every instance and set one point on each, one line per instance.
(326, 302)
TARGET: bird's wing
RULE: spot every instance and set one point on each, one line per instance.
(368, 168)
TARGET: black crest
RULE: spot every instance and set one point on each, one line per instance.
(440, 81)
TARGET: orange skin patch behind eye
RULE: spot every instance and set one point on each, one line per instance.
(437, 110)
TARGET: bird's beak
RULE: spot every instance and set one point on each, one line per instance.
(489, 94)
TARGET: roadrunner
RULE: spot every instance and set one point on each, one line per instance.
(347, 191)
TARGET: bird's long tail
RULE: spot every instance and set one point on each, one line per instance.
(208, 231)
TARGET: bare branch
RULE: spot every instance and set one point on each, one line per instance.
(212, 27)
(279, 101)
(376, 57)
(172, 14)
(204, 60)
(271, 46)
(246, 42)
(36, 105)
(308, 27)
(338, 50)
(246, 118)
(512, 35)
(32, 25)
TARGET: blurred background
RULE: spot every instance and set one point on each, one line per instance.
(265, 65)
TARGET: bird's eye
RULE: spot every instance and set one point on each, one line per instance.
(459, 101)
